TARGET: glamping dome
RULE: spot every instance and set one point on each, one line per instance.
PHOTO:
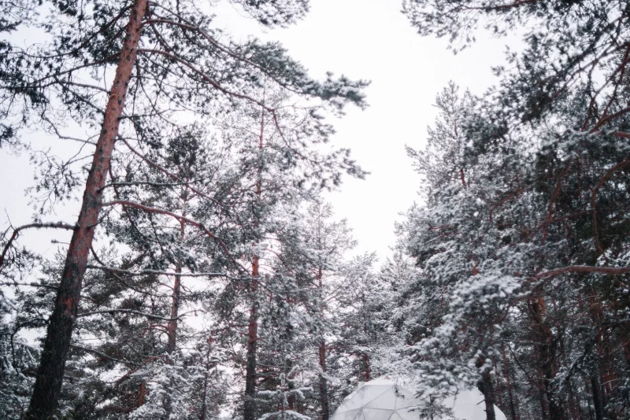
(386, 398)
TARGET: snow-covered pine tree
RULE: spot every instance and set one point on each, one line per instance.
(284, 161)
(518, 241)
(167, 58)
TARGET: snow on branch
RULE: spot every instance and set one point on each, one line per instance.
(156, 272)
(101, 354)
(582, 269)
(17, 230)
(179, 217)
(133, 312)
(203, 75)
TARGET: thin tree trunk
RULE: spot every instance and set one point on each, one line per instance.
(488, 396)
(204, 402)
(323, 382)
(604, 368)
(546, 356)
(49, 379)
(366, 369)
(486, 388)
(171, 327)
(598, 402)
(249, 412)
(252, 339)
(507, 375)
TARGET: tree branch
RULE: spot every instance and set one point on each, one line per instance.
(16, 233)
(101, 354)
(130, 311)
(156, 272)
(613, 271)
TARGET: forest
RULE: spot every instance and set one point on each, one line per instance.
(199, 271)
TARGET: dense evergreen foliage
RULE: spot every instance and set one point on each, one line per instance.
(523, 244)
(206, 277)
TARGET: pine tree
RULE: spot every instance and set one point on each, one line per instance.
(165, 41)
(503, 242)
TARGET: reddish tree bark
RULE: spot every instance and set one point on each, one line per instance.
(52, 363)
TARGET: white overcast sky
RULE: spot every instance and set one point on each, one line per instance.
(373, 40)
(362, 39)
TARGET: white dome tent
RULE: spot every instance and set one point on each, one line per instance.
(386, 398)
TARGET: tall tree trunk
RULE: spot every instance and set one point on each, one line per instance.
(49, 379)
(488, 395)
(323, 382)
(603, 367)
(507, 375)
(206, 380)
(249, 412)
(546, 357)
(598, 404)
(487, 389)
(171, 327)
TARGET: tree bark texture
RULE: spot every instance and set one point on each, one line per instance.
(49, 378)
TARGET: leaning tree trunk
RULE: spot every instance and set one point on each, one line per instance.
(52, 363)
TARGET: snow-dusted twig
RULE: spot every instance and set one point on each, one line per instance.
(133, 312)
(582, 269)
(101, 354)
(156, 272)
(17, 230)
(181, 219)
(31, 284)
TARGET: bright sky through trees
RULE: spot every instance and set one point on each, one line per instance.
(229, 261)
(363, 39)
(372, 40)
